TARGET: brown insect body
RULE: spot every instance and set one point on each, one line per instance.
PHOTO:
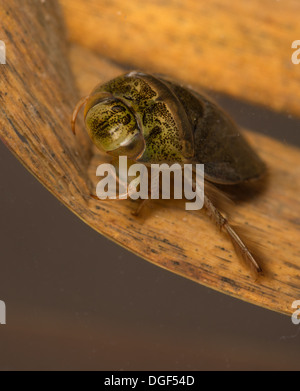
(154, 120)
(218, 143)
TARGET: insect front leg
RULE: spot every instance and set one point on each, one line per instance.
(141, 206)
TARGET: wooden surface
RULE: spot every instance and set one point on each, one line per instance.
(38, 93)
(238, 47)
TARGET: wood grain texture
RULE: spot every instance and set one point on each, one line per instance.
(242, 48)
(38, 93)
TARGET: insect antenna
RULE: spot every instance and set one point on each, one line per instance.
(79, 105)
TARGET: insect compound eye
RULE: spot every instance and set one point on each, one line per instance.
(112, 127)
(118, 108)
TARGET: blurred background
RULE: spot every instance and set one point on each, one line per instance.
(77, 301)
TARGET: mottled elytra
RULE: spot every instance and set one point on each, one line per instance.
(151, 119)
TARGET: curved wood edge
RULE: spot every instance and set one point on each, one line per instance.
(36, 102)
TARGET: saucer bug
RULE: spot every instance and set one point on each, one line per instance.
(151, 119)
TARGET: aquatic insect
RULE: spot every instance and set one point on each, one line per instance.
(151, 119)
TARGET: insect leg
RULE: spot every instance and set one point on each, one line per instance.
(140, 207)
(79, 105)
(239, 245)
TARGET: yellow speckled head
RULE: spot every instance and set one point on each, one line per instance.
(112, 126)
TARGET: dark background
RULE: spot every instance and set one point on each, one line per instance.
(77, 301)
